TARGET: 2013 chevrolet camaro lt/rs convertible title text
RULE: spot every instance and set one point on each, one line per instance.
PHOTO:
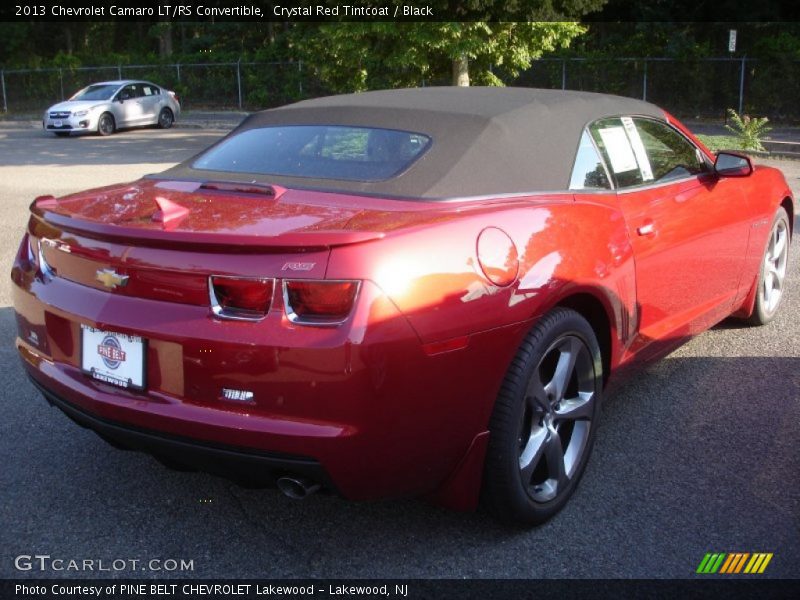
(421, 292)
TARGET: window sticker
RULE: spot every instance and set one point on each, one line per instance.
(638, 149)
(619, 149)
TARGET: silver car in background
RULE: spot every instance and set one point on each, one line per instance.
(110, 105)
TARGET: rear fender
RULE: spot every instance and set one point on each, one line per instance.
(563, 247)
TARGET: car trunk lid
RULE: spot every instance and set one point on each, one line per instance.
(163, 240)
(172, 214)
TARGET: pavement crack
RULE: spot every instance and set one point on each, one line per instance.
(259, 524)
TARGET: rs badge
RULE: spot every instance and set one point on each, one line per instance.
(298, 266)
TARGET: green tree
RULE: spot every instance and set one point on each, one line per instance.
(361, 56)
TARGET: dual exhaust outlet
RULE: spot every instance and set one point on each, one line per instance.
(297, 487)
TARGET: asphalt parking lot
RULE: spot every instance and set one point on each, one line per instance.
(699, 453)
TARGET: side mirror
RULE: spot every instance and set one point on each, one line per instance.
(730, 164)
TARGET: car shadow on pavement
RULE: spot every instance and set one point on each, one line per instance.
(692, 452)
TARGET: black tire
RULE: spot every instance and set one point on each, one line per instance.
(165, 118)
(106, 124)
(62, 133)
(767, 303)
(521, 419)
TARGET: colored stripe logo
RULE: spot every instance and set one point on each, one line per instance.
(734, 563)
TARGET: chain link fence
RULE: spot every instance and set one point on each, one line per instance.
(242, 85)
(700, 88)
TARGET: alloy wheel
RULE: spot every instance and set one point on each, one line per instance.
(106, 125)
(165, 119)
(559, 405)
(774, 269)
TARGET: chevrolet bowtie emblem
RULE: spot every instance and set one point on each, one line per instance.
(111, 279)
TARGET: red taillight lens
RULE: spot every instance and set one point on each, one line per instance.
(319, 302)
(241, 297)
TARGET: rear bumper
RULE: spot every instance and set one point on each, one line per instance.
(361, 408)
(227, 461)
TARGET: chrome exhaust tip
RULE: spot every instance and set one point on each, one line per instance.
(296, 487)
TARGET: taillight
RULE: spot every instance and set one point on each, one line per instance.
(242, 298)
(319, 302)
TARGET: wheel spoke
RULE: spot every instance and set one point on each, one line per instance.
(555, 459)
(536, 395)
(768, 284)
(564, 368)
(777, 277)
(575, 409)
(778, 244)
(532, 453)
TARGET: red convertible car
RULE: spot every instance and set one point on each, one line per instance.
(418, 292)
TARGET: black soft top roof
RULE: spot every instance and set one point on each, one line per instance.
(485, 140)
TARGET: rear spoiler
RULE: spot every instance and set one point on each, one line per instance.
(43, 219)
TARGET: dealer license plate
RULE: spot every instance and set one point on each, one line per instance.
(114, 358)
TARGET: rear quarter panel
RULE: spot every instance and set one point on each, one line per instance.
(565, 245)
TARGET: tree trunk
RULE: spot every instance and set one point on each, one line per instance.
(68, 37)
(461, 71)
(165, 39)
(183, 37)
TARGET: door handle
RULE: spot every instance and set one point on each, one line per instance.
(648, 228)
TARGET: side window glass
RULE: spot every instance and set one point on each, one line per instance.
(588, 172)
(127, 92)
(671, 156)
(614, 143)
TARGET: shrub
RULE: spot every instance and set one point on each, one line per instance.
(748, 130)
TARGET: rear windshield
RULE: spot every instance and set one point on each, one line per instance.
(96, 92)
(317, 152)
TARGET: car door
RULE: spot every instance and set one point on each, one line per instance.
(128, 106)
(151, 103)
(688, 228)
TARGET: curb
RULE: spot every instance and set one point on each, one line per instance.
(209, 125)
(192, 119)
